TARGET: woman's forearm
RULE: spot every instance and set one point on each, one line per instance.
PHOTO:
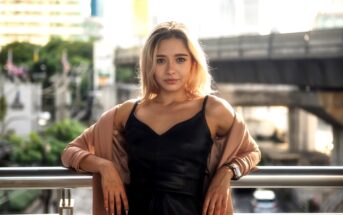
(95, 164)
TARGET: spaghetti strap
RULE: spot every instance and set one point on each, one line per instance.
(204, 103)
(134, 107)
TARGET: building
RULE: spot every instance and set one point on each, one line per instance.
(24, 107)
(36, 21)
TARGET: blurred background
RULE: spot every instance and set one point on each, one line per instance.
(278, 62)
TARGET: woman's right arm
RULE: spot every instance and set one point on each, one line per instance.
(81, 158)
(112, 185)
(79, 154)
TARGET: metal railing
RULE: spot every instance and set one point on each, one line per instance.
(262, 177)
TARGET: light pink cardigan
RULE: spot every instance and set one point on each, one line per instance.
(100, 139)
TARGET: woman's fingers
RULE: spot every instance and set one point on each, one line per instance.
(112, 206)
(113, 202)
(206, 204)
(219, 206)
(125, 202)
(215, 205)
(114, 191)
(212, 204)
(106, 203)
(118, 203)
(224, 205)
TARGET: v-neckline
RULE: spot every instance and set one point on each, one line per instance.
(170, 128)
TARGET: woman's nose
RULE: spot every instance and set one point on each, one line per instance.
(171, 68)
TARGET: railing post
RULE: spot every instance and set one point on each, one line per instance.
(338, 145)
(66, 206)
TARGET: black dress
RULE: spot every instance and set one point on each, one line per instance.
(167, 170)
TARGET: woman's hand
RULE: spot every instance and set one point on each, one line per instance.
(218, 193)
(113, 190)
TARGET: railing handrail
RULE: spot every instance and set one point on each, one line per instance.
(263, 176)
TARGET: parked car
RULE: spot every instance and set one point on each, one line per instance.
(264, 201)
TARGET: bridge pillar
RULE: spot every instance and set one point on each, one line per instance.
(301, 130)
(337, 151)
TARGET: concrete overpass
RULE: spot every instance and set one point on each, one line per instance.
(311, 60)
(299, 70)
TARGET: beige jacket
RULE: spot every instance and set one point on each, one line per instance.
(100, 139)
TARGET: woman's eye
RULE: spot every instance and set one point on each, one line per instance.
(160, 61)
(180, 59)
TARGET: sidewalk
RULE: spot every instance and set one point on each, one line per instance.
(83, 198)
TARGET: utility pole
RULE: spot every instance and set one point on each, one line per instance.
(3, 104)
(62, 98)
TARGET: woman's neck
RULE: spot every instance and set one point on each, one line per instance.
(171, 98)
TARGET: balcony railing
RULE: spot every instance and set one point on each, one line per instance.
(263, 177)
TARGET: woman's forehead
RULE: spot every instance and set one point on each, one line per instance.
(172, 46)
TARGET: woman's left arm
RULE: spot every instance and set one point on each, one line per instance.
(238, 148)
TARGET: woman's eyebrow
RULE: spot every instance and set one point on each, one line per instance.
(177, 55)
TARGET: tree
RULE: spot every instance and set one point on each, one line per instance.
(58, 135)
(26, 152)
(33, 56)
(41, 63)
(23, 53)
(43, 149)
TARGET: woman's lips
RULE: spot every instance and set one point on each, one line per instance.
(171, 81)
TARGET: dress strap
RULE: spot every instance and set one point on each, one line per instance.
(134, 107)
(204, 103)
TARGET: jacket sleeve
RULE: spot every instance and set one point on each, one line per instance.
(99, 133)
(78, 149)
(236, 147)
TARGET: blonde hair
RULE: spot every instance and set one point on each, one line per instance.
(199, 82)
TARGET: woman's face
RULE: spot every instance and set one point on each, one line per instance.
(173, 65)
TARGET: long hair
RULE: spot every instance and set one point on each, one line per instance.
(199, 82)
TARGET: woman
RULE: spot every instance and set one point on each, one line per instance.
(175, 150)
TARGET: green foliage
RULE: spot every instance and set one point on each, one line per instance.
(54, 151)
(65, 130)
(50, 55)
(22, 53)
(48, 63)
(20, 199)
(85, 86)
(3, 108)
(125, 75)
(44, 150)
(27, 152)
(58, 136)
(78, 52)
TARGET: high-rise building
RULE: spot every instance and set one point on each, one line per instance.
(36, 21)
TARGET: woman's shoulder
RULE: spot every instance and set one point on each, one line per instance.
(220, 114)
(128, 104)
(217, 105)
(123, 111)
